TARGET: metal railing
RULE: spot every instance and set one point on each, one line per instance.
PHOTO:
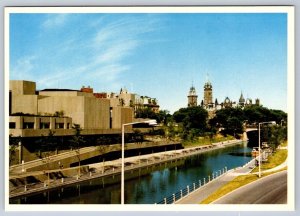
(192, 187)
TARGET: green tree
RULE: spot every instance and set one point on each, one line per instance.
(163, 116)
(230, 119)
(44, 147)
(59, 113)
(13, 145)
(256, 114)
(277, 134)
(137, 136)
(145, 113)
(193, 121)
(46, 144)
(76, 142)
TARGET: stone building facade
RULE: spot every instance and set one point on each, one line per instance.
(192, 97)
(212, 106)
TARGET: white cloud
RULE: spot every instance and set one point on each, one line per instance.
(117, 51)
(55, 20)
(23, 69)
(99, 57)
(111, 44)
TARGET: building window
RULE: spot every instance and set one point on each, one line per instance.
(45, 125)
(28, 125)
(12, 125)
(59, 125)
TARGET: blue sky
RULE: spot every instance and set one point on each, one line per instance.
(157, 55)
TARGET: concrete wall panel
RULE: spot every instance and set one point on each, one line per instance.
(24, 104)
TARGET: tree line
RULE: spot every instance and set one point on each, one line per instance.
(191, 122)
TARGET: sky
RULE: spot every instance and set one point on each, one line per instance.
(159, 55)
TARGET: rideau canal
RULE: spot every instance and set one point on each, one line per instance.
(147, 185)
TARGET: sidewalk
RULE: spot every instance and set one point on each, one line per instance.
(202, 193)
(197, 196)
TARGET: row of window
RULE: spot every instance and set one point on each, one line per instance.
(43, 125)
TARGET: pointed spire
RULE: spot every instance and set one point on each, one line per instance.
(242, 99)
(207, 84)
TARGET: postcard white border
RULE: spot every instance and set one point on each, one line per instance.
(179, 9)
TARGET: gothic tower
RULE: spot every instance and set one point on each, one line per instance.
(208, 98)
(242, 100)
(192, 97)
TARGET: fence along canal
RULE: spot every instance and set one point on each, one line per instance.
(158, 183)
(192, 187)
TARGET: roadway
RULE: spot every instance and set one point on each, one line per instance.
(271, 189)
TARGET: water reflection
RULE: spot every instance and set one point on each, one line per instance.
(146, 185)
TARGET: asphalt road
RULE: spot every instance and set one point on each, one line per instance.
(268, 190)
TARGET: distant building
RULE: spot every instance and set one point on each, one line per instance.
(227, 103)
(257, 102)
(127, 99)
(242, 101)
(148, 102)
(208, 101)
(192, 97)
(208, 104)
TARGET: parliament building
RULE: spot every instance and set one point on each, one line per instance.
(212, 106)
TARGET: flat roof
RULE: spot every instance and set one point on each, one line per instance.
(59, 90)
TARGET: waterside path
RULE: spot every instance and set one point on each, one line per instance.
(110, 168)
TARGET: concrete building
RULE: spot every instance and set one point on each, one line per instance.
(32, 126)
(94, 115)
(22, 97)
(84, 109)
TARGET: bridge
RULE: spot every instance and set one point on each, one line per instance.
(251, 129)
(246, 130)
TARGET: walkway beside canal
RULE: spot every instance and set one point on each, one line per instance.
(203, 192)
(113, 167)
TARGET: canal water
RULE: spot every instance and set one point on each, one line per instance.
(146, 185)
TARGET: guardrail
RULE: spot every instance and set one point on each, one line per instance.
(192, 187)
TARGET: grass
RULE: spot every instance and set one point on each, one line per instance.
(206, 141)
(278, 158)
(274, 160)
(284, 144)
(230, 186)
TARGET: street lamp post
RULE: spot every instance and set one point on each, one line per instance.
(150, 122)
(259, 154)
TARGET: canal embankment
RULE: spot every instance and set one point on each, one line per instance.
(109, 168)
